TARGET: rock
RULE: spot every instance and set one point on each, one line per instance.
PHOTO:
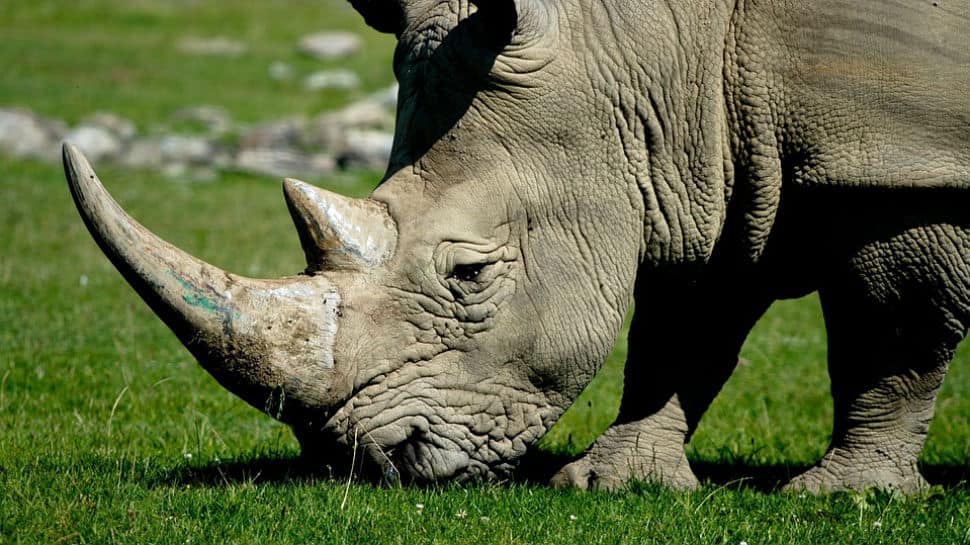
(96, 142)
(331, 79)
(280, 71)
(365, 114)
(143, 153)
(330, 45)
(174, 170)
(182, 172)
(281, 163)
(177, 148)
(323, 133)
(213, 119)
(328, 130)
(359, 136)
(368, 149)
(115, 124)
(387, 97)
(23, 134)
(173, 153)
(284, 134)
(223, 159)
(216, 46)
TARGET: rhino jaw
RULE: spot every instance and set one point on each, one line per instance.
(271, 342)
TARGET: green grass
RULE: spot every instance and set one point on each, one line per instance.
(67, 60)
(109, 432)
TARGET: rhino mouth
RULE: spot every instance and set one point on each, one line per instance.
(431, 429)
(420, 460)
(416, 461)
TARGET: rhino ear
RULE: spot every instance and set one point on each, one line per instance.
(382, 15)
(501, 17)
(519, 22)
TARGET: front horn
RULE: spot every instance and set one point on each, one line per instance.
(268, 341)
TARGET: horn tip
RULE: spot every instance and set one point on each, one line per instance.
(299, 193)
(76, 166)
(292, 185)
(71, 155)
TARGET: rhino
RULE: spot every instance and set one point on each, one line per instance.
(555, 162)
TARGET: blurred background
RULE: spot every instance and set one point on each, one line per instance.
(197, 89)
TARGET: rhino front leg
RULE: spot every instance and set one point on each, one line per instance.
(893, 324)
(683, 345)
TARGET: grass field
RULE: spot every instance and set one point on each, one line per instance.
(109, 432)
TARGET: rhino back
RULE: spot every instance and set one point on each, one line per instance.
(862, 94)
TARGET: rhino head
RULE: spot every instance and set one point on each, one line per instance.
(443, 324)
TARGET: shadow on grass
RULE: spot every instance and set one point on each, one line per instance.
(771, 478)
(947, 476)
(258, 470)
(536, 470)
(766, 478)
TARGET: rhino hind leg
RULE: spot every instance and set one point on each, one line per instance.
(683, 345)
(893, 320)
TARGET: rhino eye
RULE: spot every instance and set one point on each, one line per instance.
(468, 272)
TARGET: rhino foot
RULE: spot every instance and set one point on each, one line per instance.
(627, 453)
(839, 471)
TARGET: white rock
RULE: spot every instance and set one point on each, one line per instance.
(366, 148)
(324, 134)
(279, 163)
(280, 71)
(329, 130)
(331, 79)
(364, 114)
(174, 170)
(143, 153)
(215, 45)
(22, 134)
(96, 142)
(117, 125)
(387, 97)
(185, 149)
(283, 134)
(215, 119)
(330, 45)
(181, 172)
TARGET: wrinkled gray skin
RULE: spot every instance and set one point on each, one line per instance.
(555, 161)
